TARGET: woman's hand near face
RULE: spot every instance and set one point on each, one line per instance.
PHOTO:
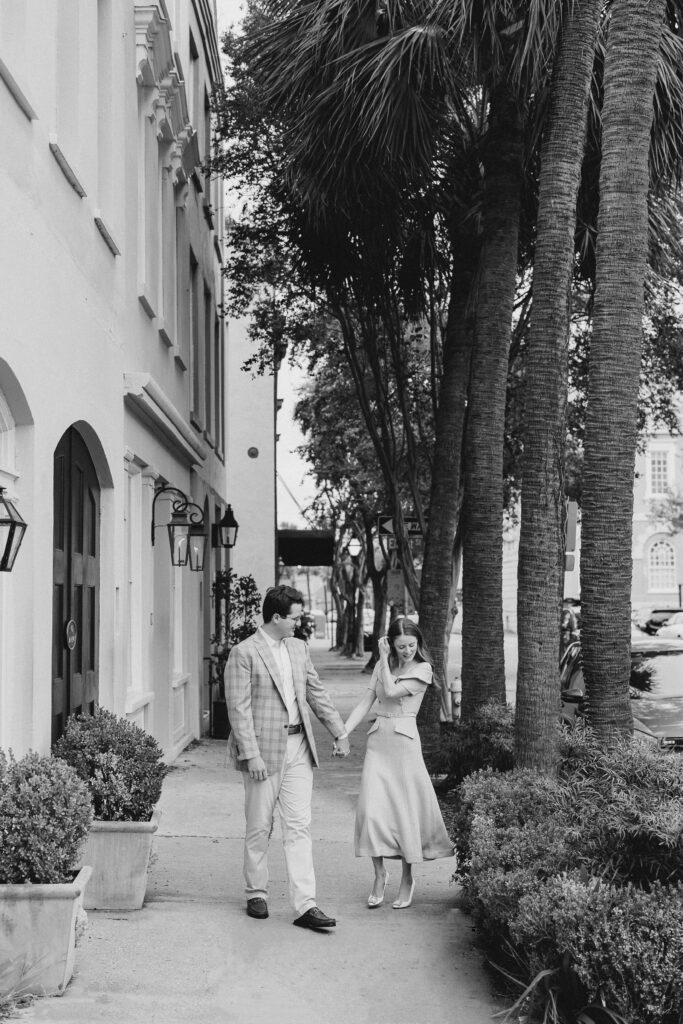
(384, 647)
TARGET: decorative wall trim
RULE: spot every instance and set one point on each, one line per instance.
(153, 50)
(159, 72)
(148, 400)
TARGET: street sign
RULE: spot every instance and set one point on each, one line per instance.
(386, 528)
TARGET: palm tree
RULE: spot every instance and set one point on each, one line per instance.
(541, 536)
(631, 61)
(483, 658)
(370, 116)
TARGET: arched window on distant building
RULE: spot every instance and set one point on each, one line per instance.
(661, 567)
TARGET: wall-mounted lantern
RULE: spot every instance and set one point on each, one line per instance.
(186, 531)
(354, 547)
(225, 530)
(12, 530)
(196, 548)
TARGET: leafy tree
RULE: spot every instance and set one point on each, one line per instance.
(346, 469)
(378, 204)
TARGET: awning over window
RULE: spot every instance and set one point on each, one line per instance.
(306, 547)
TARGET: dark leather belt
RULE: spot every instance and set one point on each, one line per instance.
(292, 730)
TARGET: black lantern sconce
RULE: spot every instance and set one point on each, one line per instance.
(224, 533)
(186, 531)
(196, 548)
(12, 530)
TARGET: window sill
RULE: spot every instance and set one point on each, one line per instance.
(145, 301)
(106, 234)
(66, 168)
(18, 94)
(136, 700)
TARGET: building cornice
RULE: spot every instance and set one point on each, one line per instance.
(147, 399)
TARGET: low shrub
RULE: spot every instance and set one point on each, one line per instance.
(623, 945)
(510, 833)
(120, 763)
(628, 804)
(579, 880)
(45, 814)
(492, 808)
(484, 740)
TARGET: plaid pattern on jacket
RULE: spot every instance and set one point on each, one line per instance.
(256, 704)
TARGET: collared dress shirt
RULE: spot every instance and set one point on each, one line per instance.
(281, 655)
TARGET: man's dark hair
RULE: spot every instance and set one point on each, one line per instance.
(280, 600)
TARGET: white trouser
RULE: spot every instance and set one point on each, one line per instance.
(290, 790)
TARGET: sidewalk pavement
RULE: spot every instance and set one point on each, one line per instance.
(192, 955)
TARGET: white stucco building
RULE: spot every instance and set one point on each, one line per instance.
(114, 376)
(657, 551)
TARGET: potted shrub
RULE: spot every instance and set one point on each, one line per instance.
(45, 813)
(237, 603)
(122, 767)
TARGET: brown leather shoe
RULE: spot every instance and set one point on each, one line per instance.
(314, 918)
(257, 907)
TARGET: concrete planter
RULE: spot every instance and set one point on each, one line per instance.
(39, 925)
(119, 853)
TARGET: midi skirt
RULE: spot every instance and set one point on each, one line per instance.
(398, 814)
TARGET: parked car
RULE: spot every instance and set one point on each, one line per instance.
(570, 622)
(656, 689)
(673, 626)
(655, 619)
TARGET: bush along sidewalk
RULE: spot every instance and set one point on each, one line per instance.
(576, 883)
(123, 768)
(45, 812)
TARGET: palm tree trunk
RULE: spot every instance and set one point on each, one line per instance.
(541, 547)
(437, 584)
(483, 659)
(633, 43)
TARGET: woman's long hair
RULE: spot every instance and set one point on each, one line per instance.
(406, 627)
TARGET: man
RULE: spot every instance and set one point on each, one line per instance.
(268, 682)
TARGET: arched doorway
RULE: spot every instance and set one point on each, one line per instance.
(76, 580)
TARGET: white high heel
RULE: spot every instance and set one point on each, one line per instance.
(402, 904)
(377, 901)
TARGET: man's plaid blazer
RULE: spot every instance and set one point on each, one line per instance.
(256, 705)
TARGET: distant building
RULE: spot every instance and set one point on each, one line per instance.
(657, 551)
(112, 363)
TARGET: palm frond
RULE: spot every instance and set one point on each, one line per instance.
(359, 115)
(666, 147)
(510, 39)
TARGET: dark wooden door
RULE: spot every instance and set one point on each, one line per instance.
(75, 602)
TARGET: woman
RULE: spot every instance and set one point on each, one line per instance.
(398, 815)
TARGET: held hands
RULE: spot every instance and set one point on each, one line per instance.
(342, 747)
